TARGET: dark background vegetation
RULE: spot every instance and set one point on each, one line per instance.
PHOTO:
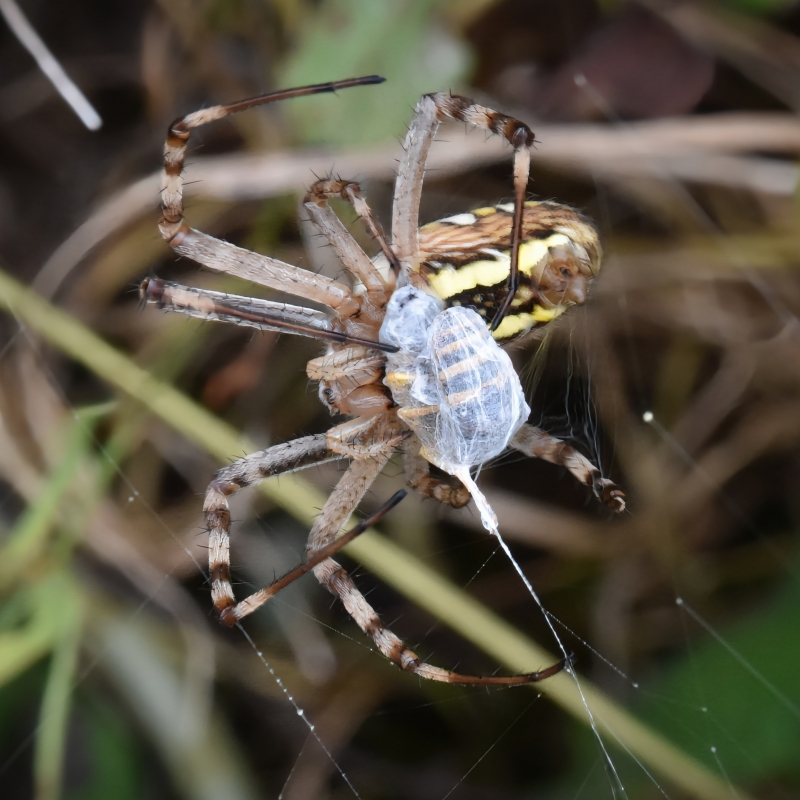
(674, 125)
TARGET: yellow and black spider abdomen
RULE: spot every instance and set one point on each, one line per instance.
(466, 260)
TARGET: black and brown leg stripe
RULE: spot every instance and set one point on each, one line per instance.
(454, 106)
(346, 496)
(536, 443)
(180, 130)
(335, 578)
(521, 138)
(247, 471)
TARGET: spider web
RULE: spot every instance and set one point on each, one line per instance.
(708, 722)
(715, 736)
(135, 497)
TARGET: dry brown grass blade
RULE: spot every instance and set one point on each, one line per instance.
(703, 148)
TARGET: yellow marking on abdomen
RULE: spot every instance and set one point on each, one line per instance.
(399, 379)
(468, 364)
(449, 282)
(470, 340)
(533, 251)
(490, 272)
(411, 415)
(516, 324)
(473, 393)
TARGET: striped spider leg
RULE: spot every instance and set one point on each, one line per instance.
(552, 248)
(369, 458)
(319, 556)
(546, 268)
(431, 110)
(536, 443)
(223, 256)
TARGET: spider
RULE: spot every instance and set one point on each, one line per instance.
(499, 271)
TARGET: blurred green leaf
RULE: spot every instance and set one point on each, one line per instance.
(195, 745)
(735, 707)
(760, 7)
(114, 768)
(28, 539)
(711, 699)
(51, 735)
(347, 38)
(31, 624)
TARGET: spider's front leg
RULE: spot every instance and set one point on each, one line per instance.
(316, 203)
(431, 110)
(222, 256)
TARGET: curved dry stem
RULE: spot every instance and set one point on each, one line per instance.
(701, 149)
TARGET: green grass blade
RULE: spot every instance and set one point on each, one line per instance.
(51, 736)
(198, 750)
(22, 647)
(29, 536)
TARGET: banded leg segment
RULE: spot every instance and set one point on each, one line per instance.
(408, 186)
(334, 577)
(536, 443)
(316, 202)
(264, 315)
(219, 255)
(257, 599)
(180, 130)
(431, 110)
(252, 469)
(418, 473)
(224, 307)
(263, 270)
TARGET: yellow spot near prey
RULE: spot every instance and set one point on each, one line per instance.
(516, 324)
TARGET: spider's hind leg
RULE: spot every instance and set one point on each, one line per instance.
(252, 469)
(344, 498)
(418, 473)
(536, 443)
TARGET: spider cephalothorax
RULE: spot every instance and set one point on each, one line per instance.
(413, 355)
